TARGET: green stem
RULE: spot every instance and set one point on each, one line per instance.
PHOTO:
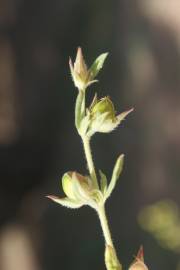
(111, 259)
(105, 226)
(90, 163)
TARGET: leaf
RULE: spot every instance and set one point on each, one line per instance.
(103, 182)
(65, 201)
(97, 65)
(79, 108)
(116, 173)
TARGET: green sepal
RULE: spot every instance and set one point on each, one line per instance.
(84, 125)
(96, 124)
(115, 175)
(79, 108)
(103, 182)
(69, 203)
(81, 192)
(122, 115)
(97, 65)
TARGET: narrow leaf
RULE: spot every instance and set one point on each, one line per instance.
(97, 65)
(103, 182)
(116, 173)
(65, 202)
(79, 108)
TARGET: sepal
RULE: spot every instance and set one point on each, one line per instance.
(65, 202)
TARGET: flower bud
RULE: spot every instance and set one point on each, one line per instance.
(79, 191)
(139, 264)
(111, 260)
(70, 181)
(105, 105)
(82, 76)
(79, 71)
(103, 116)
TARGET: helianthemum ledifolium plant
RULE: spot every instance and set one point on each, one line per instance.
(94, 189)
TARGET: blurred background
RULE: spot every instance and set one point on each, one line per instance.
(38, 140)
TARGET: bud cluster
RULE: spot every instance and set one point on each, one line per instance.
(101, 115)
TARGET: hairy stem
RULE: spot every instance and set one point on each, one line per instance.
(111, 259)
(105, 226)
(90, 163)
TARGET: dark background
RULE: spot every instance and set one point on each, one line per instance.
(38, 140)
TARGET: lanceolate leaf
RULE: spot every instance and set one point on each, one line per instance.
(79, 108)
(116, 173)
(97, 65)
(65, 202)
(103, 182)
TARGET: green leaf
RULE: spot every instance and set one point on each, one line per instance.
(116, 173)
(103, 182)
(79, 108)
(97, 65)
(65, 202)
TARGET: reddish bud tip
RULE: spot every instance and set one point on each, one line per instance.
(140, 254)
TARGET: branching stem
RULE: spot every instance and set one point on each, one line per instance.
(101, 209)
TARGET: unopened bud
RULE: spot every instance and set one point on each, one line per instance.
(82, 76)
(139, 264)
(69, 182)
(104, 105)
(79, 71)
(111, 260)
(103, 116)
